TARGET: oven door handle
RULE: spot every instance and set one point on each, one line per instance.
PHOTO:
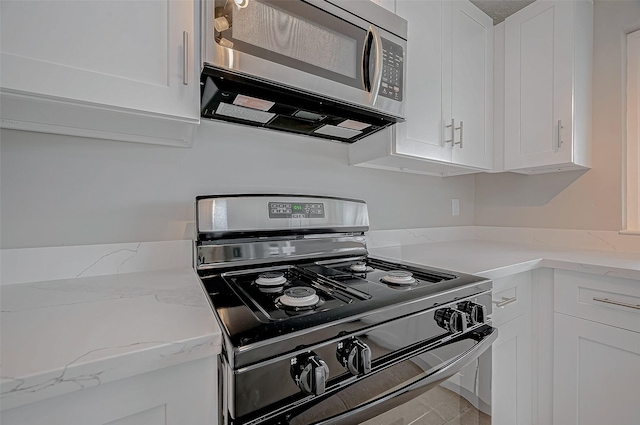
(387, 402)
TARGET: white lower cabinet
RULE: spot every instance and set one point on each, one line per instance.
(511, 392)
(176, 395)
(596, 373)
(511, 352)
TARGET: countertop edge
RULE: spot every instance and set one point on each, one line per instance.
(591, 261)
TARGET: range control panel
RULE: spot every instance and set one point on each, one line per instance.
(296, 210)
(393, 64)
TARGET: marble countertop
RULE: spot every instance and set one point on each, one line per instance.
(65, 335)
(499, 259)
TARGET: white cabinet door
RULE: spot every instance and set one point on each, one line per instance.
(596, 373)
(127, 54)
(422, 135)
(511, 369)
(449, 64)
(548, 51)
(467, 84)
(121, 70)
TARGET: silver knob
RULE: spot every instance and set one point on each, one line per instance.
(451, 319)
(355, 355)
(477, 313)
(310, 373)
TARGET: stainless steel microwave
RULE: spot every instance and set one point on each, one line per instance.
(333, 69)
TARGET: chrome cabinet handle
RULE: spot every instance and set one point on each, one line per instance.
(460, 142)
(453, 128)
(560, 133)
(185, 58)
(504, 301)
(620, 303)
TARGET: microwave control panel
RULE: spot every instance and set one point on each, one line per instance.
(392, 83)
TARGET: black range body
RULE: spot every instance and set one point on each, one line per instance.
(315, 330)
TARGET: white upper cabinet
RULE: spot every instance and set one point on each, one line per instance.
(116, 69)
(449, 63)
(548, 60)
(468, 83)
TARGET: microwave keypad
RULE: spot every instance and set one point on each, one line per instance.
(393, 65)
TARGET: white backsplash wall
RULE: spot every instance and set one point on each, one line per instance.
(59, 190)
(575, 199)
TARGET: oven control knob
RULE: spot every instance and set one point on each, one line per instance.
(451, 319)
(477, 313)
(355, 355)
(310, 373)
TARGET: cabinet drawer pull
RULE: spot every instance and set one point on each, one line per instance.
(620, 303)
(504, 301)
(185, 58)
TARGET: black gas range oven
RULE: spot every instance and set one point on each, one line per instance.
(314, 329)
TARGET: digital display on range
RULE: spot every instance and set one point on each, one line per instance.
(296, 210)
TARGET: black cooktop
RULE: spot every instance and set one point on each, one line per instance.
(254, 319)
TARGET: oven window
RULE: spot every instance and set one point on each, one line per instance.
(297, 35)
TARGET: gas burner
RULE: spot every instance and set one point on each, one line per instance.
(360, 267)
(299, 297)
(271, 279)
(399, 277)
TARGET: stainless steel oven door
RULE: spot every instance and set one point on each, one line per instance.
(402, 391)
(312, 45)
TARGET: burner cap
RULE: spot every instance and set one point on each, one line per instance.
(360, 266)
(299, 296)
(399, 277)
(270, 289)
(271, 279)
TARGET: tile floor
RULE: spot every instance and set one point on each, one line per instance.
(437, 406)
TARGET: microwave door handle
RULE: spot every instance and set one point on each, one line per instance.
(371, 83)
(366, 52)
(377, 74)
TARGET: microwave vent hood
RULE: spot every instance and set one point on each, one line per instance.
(238, 98)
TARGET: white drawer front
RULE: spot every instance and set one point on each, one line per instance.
(511, 297)
(602, 299)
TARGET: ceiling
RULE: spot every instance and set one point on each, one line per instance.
(500, 9)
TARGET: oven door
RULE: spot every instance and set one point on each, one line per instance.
(312, 45)
(401, 390)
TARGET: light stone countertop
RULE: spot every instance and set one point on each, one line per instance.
(65, 335)
(498, 259)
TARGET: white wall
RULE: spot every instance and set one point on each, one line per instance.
(575, 200)
(59, 190)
